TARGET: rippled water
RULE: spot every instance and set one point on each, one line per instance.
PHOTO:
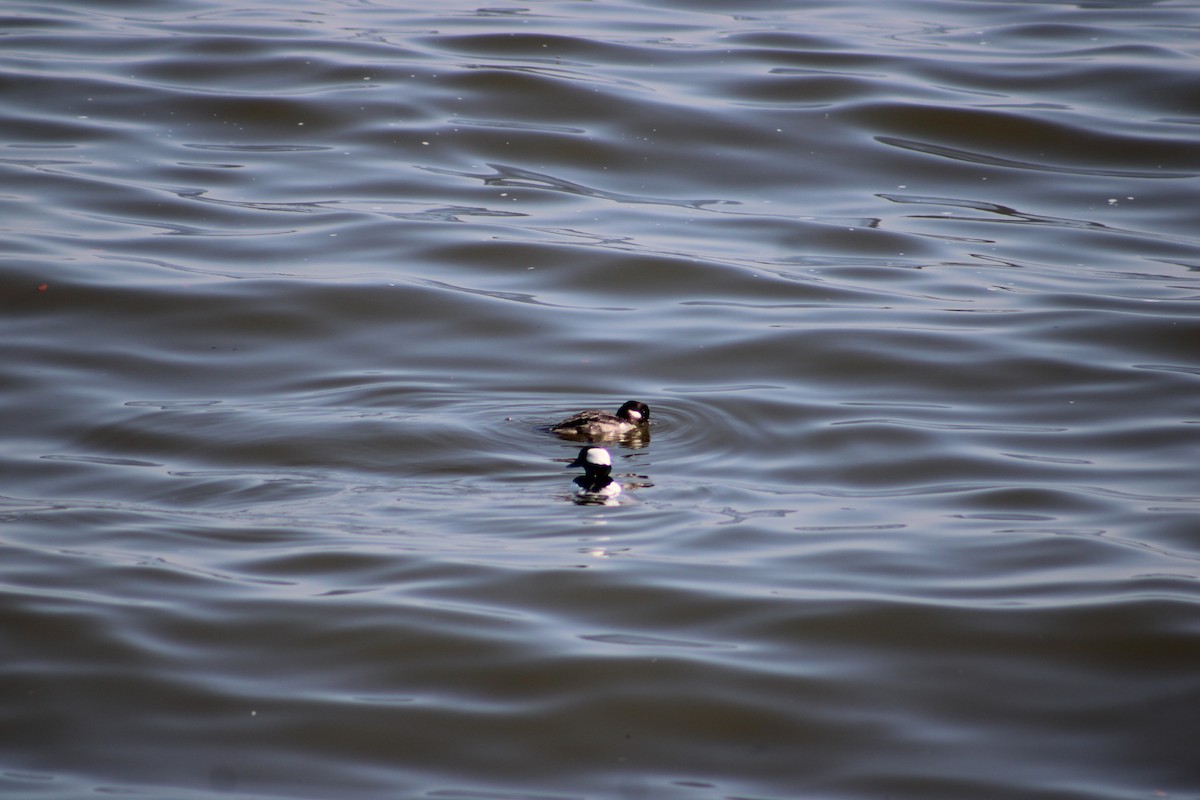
(290, 294)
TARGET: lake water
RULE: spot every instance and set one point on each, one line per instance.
(289, 294)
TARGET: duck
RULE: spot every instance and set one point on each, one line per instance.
(595, 424)
(596, 483)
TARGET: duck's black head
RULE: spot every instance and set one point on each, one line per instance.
(635, 411)
(594, 460)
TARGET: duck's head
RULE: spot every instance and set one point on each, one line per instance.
(635, 411)
(593, 459)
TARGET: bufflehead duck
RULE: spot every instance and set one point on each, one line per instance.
(596, 482)
(597, 424)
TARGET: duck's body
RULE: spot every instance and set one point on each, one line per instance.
(596, 484)
(596, 424)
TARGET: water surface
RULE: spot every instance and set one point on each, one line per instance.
(290, 294)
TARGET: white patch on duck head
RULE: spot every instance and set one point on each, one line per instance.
(598, 456)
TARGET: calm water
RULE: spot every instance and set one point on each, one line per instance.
(290, 292)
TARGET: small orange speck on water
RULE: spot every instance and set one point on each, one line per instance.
(43, 287)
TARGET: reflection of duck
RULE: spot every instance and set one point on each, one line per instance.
(596, 482)
(596, 424)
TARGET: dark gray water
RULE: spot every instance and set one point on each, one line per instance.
(290, 292)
